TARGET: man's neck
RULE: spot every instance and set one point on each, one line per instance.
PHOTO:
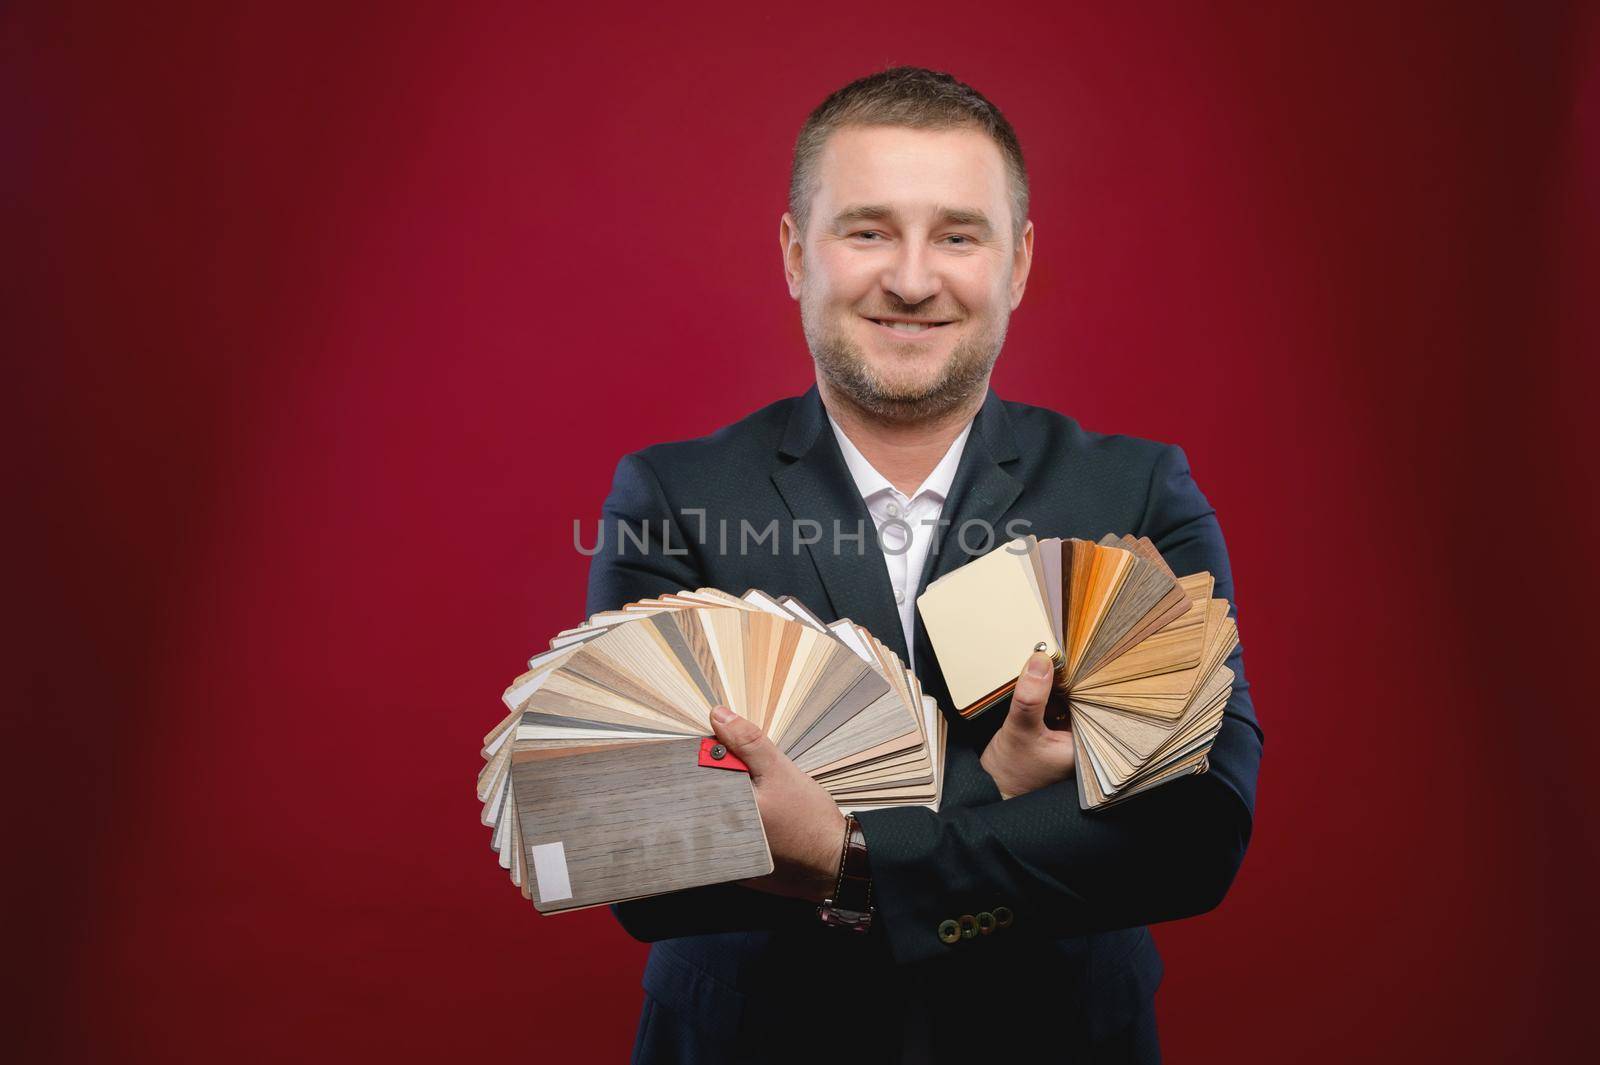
(905, 453)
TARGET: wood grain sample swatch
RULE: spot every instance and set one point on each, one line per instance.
(1139, 651)
(594, 784)
(652, 820)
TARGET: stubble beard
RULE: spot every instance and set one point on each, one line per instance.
(964, 374)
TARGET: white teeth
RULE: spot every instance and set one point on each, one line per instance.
(907, 327)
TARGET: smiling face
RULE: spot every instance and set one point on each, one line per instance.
(908, 270)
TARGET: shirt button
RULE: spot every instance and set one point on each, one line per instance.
(899, 596)
(894, 510)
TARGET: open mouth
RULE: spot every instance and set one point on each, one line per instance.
(909, 329)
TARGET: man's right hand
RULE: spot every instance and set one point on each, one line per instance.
(1026, 754)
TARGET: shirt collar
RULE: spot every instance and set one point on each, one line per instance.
(869, 482)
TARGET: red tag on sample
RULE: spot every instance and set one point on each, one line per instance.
(717, 756)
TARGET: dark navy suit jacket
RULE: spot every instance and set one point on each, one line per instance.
(738, 975)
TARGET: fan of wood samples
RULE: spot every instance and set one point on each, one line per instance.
(603, 782)
(1138, 651)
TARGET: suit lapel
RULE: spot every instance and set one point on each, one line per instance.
(816, 485)
(980, 495)
(983, 490)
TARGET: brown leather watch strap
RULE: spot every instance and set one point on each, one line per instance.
(850, 905)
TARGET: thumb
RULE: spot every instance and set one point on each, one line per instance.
(746, 740)
(1031, 693)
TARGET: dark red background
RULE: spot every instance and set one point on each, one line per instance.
(324, 325)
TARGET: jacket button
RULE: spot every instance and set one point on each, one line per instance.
(1002, 917)
(985, 923)
(969, 925)
(949, 932)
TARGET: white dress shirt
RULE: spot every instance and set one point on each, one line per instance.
(905, 524)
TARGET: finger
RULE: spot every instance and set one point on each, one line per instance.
(746, 740)
(1032, 691)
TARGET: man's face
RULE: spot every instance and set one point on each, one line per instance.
(909, 226)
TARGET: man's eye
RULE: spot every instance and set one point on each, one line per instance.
(869, 233)
(961, 237)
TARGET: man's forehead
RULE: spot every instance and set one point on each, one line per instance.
(910, 171)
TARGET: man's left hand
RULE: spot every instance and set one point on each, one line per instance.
(805, 828)
(1026, 754)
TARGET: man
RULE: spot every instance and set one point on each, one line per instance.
(907, 246)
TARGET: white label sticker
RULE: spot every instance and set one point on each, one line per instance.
(550, 872)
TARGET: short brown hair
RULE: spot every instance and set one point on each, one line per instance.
(913, 97)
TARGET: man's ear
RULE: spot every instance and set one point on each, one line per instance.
(1021, 262)
(789, 244)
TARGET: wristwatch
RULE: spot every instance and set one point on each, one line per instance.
(850, 905)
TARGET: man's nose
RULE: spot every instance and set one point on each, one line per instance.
(912, 276)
